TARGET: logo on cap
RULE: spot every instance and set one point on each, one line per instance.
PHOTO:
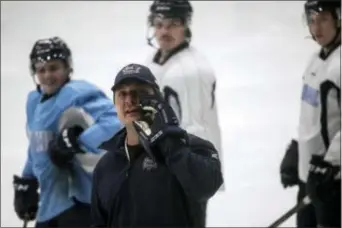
(131, 69)
(162, 8)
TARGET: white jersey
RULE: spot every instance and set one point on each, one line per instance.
(188, 84)
(320, 115)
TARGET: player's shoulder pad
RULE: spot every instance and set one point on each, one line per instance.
(79, 88)
(76, 89)
(192, 63)
(202, 146)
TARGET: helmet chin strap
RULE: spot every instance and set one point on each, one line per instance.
(149, 42)
(150, 38)
(36, 84)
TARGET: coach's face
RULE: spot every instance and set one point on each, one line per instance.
(126, 100)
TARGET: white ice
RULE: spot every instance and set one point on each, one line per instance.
(259, 51)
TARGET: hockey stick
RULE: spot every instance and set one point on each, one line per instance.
(291, 212)
(25, 223)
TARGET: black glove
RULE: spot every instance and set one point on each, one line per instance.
(158, 121)
(26, 197)
(323, 181)
(289, 166)
(63, 148)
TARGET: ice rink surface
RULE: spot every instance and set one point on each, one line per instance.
(258, 49)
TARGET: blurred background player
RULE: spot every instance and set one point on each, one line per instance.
(320, 118)
(65, 186)
(319, 135)
(184, 75)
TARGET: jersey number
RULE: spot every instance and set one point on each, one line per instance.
(172, 99)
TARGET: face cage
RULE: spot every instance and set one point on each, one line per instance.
(150, 31)
(336, 14)
(67, 62)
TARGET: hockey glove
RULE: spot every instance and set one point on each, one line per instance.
(289, 166)
(158, 121)
(324, 180)
(26, 197)
(64, 147)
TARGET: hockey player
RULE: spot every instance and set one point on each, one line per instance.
(319, 141)
(51, 165)
(155, 173)
(184, 75)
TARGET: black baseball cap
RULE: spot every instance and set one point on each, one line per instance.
(134, 72)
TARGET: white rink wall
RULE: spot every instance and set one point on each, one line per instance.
(258, 50)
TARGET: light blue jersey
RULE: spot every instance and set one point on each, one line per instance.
(59, 187)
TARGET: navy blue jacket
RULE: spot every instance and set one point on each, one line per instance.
(142, 193)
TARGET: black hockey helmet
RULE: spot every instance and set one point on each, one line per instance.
(49, 49)
(332, 6)
(171, 9)
(180, 9)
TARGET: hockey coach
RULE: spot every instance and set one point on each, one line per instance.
(154, 173)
